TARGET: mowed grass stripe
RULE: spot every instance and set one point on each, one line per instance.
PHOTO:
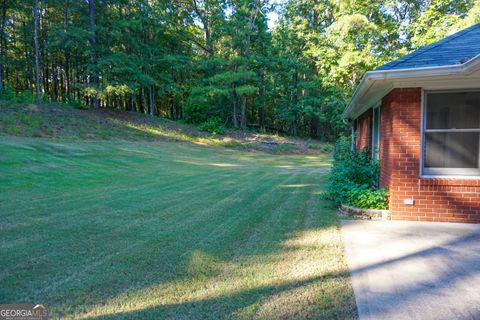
(198, 237)
(97, 263)
(180, 207)
(197, 221)
(242, 279)
(168, 230)
(100, 189)
(219, 283)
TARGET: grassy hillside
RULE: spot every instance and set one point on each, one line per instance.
(62, 121)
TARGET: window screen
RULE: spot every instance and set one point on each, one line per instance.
(452, 133)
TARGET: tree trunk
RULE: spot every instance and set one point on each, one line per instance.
(261, 116)
(261, 110)
(2, 43)
(314, 127)
(37, 74)
(172, 108)
(26, 51)
(295, 101)
(93, 40)
(294, 124)
(243, 122)
(55, 82)
(246, 55)
(204, 18)
(234, 103)
(151, 91)
(144, 101)
(67, 52)
(43, 53)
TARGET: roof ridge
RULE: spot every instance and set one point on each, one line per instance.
(431, 46)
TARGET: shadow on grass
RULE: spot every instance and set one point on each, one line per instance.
(326, 296)
(94, 249)
(465, 270)
(229, 304)
(213, 266)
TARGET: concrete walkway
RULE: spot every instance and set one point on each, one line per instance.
(414, 270)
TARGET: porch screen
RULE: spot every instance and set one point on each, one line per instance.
(452, 133)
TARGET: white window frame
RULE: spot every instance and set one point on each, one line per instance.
(463, 173)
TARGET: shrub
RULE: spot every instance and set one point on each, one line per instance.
(353, 171)
(25, 96)
(213, 125)
(8, 93)
(199, 107)
(326, 148)
(76, 104)
(368, 198)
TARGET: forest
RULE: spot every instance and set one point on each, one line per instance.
(280, 66)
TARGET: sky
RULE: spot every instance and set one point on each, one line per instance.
(272, 19)
(273, 16)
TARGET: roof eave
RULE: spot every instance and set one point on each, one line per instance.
(398, 74)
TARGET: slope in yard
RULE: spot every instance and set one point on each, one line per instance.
(63, 121)
(152, 229)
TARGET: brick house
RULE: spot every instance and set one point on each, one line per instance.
(420, 117)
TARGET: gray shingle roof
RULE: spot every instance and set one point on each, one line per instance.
(455, 49)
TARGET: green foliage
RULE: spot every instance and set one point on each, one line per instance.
(8, 93)
(367, 198)
(193, 60)
(25, 123)
(25, 96)
(322, 147)
(77, 104)
(351, 171)
(326, 148)
(198, 107)
(213, 125)
(440, 18)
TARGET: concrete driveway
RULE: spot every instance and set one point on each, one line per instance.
(414, 270)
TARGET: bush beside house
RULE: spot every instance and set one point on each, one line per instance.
(354, 177)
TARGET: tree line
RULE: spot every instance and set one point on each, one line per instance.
(198, 60)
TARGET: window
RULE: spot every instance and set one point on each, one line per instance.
(376, 134)
(452, 133)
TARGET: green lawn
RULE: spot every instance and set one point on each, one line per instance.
(112, 229)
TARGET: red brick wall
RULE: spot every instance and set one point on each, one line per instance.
(364, 131)
(448, 200)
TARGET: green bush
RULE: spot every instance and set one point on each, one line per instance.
(77, 104)
(8, 93)
(199, 107)
(353, 171)
(326, 148)
(25, 96)
(213, 125)
(367, 198)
